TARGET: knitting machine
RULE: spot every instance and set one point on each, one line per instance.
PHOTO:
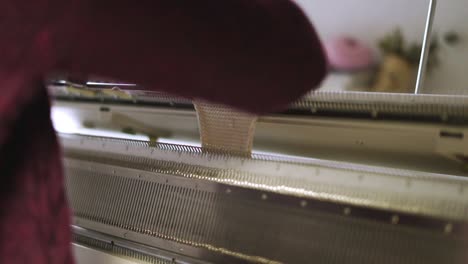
(335, 178)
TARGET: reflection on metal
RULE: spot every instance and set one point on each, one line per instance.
(335, 182)
(426, 46)
(263, 209)
(97, 247)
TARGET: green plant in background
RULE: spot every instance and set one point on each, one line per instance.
(395, 44)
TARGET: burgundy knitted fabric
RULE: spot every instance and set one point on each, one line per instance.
(256, 55)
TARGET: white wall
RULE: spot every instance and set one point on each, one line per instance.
(368, 20)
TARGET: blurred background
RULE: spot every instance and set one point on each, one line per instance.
(375, 45)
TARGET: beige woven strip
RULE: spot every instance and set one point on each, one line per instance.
(223, 128)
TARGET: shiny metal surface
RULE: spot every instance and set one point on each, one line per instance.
(426, 46)
(409, 191)
(115, 250)
(425, 107)
(86, 255)
(182, 199)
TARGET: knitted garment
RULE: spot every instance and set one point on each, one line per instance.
(255, 55)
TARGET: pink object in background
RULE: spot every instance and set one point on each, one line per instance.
(347, 53)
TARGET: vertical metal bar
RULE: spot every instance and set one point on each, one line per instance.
(425, 47)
